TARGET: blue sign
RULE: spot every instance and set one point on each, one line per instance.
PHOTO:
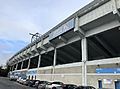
(32, 72)
(62, 29)
(108, 70)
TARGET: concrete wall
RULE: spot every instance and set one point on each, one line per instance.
(77, 69)
(92, 77)
(44, 74)
(72, 79)
(44, 77)
(93, 80)
(73, 75)
(92, 68)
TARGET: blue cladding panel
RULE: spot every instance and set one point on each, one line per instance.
(62, 29)
(32, 72)
(107, 70)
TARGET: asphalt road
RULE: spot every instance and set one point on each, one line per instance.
(5, 83)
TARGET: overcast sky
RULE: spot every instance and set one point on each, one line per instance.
(18, 18)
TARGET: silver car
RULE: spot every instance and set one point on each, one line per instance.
(55, 85)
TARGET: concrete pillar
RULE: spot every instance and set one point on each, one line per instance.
(28, 63)
(16, 66)
(84, 59)
(22, 65)
(13, 68)
(10, 68)
(39, 62)
(54, 63)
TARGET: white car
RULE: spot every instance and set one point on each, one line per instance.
(21, 80)
(13, 76)
(55, 85)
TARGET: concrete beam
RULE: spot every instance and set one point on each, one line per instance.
(21, 57)
(115, 9)
(29, 53)
(43, 48)
(104, 61)
(102, 28)
(24, 56)
(51, 44)
(77, 29)
(34, 51)
(63, 39)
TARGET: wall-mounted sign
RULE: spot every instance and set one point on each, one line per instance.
(108, 70)
(62, 29)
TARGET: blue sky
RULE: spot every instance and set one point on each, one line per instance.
(18, 18)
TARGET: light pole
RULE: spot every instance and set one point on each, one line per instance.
(34, 39)
(35, 36)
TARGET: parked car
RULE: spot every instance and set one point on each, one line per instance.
(26, 82)
(105, 88)
(69, 86)
(18, 79)
(13, 76)
(31, 83)
(41, 84)
(85, 87)
(55, 85)
(21, 80)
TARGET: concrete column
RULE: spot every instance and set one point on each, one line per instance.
(16, 66)
(84, 59)
(13, 68)
(39, 62)
(10, 68)
(28, 63)
(54, 63)
(22, 65)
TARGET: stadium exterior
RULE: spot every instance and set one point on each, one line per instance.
(82, 49)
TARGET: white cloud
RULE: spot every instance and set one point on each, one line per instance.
(17, 30)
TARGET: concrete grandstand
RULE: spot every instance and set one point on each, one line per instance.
(82, 49)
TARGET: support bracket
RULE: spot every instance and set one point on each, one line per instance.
(43, 48)
(51, 44)
(115, 9)
(77, 29)
(63, 39)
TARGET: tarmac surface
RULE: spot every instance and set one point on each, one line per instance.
(5, 83)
